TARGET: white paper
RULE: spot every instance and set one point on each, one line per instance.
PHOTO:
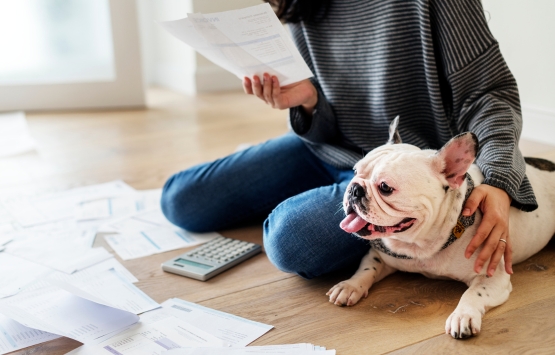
(32, 211)
(152, 338)
(14, 134)
(234, 330)
(110, 289)
(119, 206)
(16, 273)
(66, 251)
(246, 42)
(15, 336)
(48, 308)
(105, 265)
(292, 349)
(141, 239)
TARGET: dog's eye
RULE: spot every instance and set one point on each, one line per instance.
(355, 171)
(385, 189)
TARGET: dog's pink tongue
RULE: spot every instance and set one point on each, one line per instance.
(352, 223)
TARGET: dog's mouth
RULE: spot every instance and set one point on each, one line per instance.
(353, 223)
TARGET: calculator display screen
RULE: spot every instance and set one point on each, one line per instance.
(193, 263)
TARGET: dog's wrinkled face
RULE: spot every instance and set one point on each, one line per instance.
(384, 197)
(399, 190)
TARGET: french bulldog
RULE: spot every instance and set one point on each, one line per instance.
(407, 203)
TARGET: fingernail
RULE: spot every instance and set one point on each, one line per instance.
(466, 212)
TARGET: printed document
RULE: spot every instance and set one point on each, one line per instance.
(32, 211)
(246, 42)
(234, 330)
(108, 288)
(66, 251)
(15, 336)
(291, 349)
(46, 307)
(150, 233)
(152, 338)
(16, 273)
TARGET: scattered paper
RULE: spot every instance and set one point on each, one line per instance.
(119, 206)
(15, 336)
(153, 241)
(246, 42)
(48, 308)
(150, 233)
(110, 289)
(66, 251)
(32, 211)
(152, 338)
(289, 349)
(16, 273)
(234, 330)
(14, 134)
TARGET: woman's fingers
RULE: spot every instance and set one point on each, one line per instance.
(268, 97)
(508, 256)
(247, 86)
(257, 87)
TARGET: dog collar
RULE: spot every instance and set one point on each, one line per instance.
(462, 223)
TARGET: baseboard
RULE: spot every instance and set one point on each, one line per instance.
(538, 124)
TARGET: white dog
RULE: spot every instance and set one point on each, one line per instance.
(407, 202)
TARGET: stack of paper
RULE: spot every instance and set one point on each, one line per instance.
(246, 42)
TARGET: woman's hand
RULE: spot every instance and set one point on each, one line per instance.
(494, 204)
(302, 93)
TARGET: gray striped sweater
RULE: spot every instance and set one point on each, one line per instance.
(432, 62)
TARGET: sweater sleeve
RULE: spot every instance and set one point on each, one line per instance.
(321, 127)
(483, 95)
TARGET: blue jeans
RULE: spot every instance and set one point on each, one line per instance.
(283, 182)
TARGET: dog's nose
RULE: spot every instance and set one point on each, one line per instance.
(356, 191)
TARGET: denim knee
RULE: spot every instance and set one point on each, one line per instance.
(180, 203)
(284, 246)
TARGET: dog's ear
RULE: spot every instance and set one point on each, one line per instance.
(456, 157)
(394, 137)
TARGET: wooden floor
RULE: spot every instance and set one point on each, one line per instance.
(404, 314)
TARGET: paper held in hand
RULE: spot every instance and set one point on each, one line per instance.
(246, 42)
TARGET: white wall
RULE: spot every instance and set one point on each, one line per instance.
(525, 31)
(170, 63)
(166, 61)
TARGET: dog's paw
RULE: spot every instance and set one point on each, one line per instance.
(464, 323)
(347, 293)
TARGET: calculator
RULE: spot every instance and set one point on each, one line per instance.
(212, 258)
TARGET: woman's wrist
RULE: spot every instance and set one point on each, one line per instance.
(310, 104)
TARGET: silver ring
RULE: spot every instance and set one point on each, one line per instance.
(502, 240)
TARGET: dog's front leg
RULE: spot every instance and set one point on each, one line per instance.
(483, 293)
(372, 269)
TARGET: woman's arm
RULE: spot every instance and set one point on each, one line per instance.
(483, 98)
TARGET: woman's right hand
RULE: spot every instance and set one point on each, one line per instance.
(302, 93)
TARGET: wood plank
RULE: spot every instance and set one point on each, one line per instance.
(526, 330)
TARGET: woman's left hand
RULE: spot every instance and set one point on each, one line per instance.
(494, 204)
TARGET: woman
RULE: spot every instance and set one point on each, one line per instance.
(432, 62)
